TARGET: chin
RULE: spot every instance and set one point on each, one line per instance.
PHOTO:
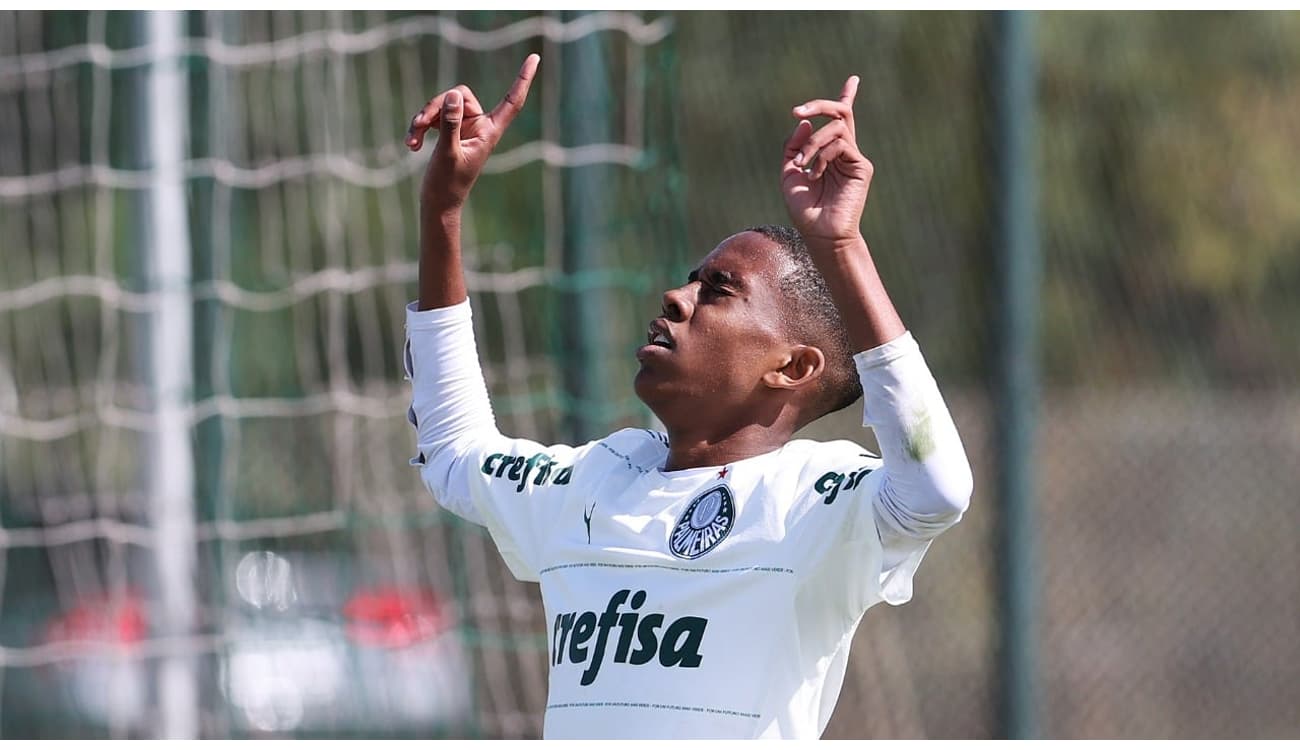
(652, 391)
(645, 387)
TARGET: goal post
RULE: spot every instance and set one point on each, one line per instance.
(170, 461)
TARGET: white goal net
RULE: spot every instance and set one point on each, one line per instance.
(208, 526)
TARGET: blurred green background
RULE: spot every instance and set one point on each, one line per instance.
(333, 598)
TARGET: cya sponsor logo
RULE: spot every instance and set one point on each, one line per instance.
(704, 523)
(829, 484)
(641, 638)
(518, 469)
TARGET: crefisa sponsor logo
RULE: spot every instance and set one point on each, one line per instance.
(704, 523)
(641, 638)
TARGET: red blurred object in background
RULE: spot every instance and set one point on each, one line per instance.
(393, 618)
(104, 618)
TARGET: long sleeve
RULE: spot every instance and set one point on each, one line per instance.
(449, 402)
(924, 483)
(512, 486)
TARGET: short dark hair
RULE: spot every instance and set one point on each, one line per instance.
(813, 317)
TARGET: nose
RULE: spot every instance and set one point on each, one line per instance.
(678, 304)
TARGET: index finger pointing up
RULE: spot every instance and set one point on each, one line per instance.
(850, 91)
(514, 99)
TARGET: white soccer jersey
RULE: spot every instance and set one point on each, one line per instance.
(704, 603)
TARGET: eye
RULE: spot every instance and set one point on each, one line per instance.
(713, 290)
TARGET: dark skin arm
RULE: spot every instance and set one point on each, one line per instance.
(466, 137)
(824, 179)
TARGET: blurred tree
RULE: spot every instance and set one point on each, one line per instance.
(1170, 197)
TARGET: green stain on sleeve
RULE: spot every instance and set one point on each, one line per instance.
(918, 438)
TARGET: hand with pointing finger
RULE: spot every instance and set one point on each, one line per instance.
(466, 137)
(824, 177)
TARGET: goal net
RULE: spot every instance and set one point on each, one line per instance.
(208, 525)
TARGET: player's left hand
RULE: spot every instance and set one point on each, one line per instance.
(825, 177)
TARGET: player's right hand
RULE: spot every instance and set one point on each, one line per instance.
(466, 137)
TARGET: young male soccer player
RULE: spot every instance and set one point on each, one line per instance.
(706, 582)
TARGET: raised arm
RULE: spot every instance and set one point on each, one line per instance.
(450, 399)
(825, 178)
(509, 485)
(466, 137)
(926, 482)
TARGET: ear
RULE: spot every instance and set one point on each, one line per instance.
(803, 366)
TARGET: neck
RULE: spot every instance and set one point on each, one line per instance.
(691, 449)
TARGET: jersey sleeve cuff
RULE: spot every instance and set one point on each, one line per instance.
(438, 317)
(887, 352)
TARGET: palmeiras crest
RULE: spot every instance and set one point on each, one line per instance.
(704, 523)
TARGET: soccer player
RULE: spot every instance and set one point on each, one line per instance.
(705, 582)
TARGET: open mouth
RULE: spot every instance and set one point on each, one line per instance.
(658, 335)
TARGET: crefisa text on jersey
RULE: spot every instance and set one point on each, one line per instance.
(518, 469)
(679, 645)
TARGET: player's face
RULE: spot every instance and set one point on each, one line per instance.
(720, 332)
